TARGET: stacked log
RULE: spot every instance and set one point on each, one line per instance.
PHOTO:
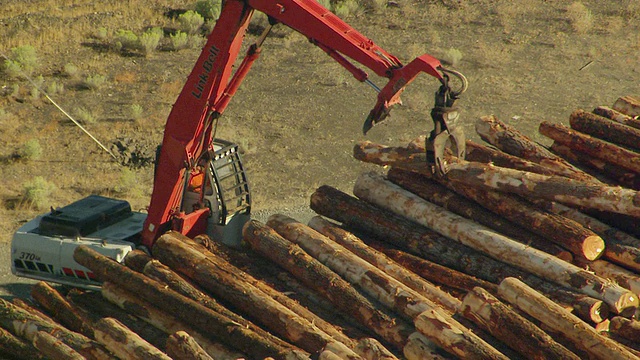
(523, 252)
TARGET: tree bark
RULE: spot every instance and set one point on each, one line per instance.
(64, 312)
(511, 141)
(54, 348)
(607, 172)
(512, 329)
(626, 328)
(420, 348)
(553, 316)
(429, 318)
(607, 270)
(617, 116)
(605, 129)
(203, 319)
(530, 185)
(592, 146)
(222, 280)
(628, 105)
(25, 325)
(137, 259)
(374, 188)
(372, 349)
(564, 232)
(124, 343)
(167, 323)
(17, 348)
(313, 274)
(181, 345)
(382, 262)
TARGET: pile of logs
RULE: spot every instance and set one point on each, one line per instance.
(520, 252)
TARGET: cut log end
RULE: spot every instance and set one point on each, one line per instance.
(593, 247)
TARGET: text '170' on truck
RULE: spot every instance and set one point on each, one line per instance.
(200, 186)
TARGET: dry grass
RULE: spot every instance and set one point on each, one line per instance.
(580, 17)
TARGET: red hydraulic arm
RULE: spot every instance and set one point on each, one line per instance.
(210, 86)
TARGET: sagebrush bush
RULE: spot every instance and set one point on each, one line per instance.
(347, 8)
(94, 82)
(179, 40)
(55, 87)
(71, 70)
(126, 182)
(190, 22)
(136, 111)
(31, 150)
(452, 56)
(36, 192)
(125, 40)
(580, 17)
(85, 115)
(23, 59)
(35, 88)
(208, 9)
(150, 40)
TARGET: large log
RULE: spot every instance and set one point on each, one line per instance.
(374, 188)
(628, 105)
(430, 319)
(617, 116)
(605, 129)
(54, 348)
(201, 318)
(124, 343)
(511, 328)
(419, 348)
(535, 186)
(567, 233)
(169, 324)
(372, 349)
(382, 262)
(541, 308)
(16, 348)
(25, 325)
(510, 140)
(64, 312)
(607, 172)
(283, 299)
(181, 345)
(137, 259)
(222, 280)
(162, 273)
(313, 274)
(626, 328)
(592, 146)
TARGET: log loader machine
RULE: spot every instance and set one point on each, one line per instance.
(200, 185)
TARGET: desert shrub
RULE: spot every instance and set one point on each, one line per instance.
(126, 181)
(38, 82)
(136, 111)
(23, 59)
(55, 87)
(36, 192)
(208, 9)
(347, 8)
(101, 33)
(70, 70)
(125, 40)
(5, 115)
(179, 40)
(94, 82)
(86, 116)
(31, 150)
(376, 6)
(150, 40)
(452, 56)
(190, 22)
(580, 18)
(325, 3)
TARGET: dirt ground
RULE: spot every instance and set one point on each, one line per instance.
(298, 113)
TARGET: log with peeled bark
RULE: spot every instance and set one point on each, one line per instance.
(564, 232)
(25, 325)
(430, 319)
(65, 313)
(580, 333)
(420, 348)
(53, 348)
(530, 185)
(16, 348)
(283, 299)
(605, 129)
(201, 318)
(137, 259)
(617, 116)
(371, 349)
(605, 171)
(382, 262)
(592, 146)
(628, 105)
(181, 345)
(511, 328)
(96, 307)
(621, 248)
(510, 140)
(162, 273)
(374, 188)
(603, 268)
(133, 304)
(313, 274)
(626, 328)
(124, 343)
(225, 281)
